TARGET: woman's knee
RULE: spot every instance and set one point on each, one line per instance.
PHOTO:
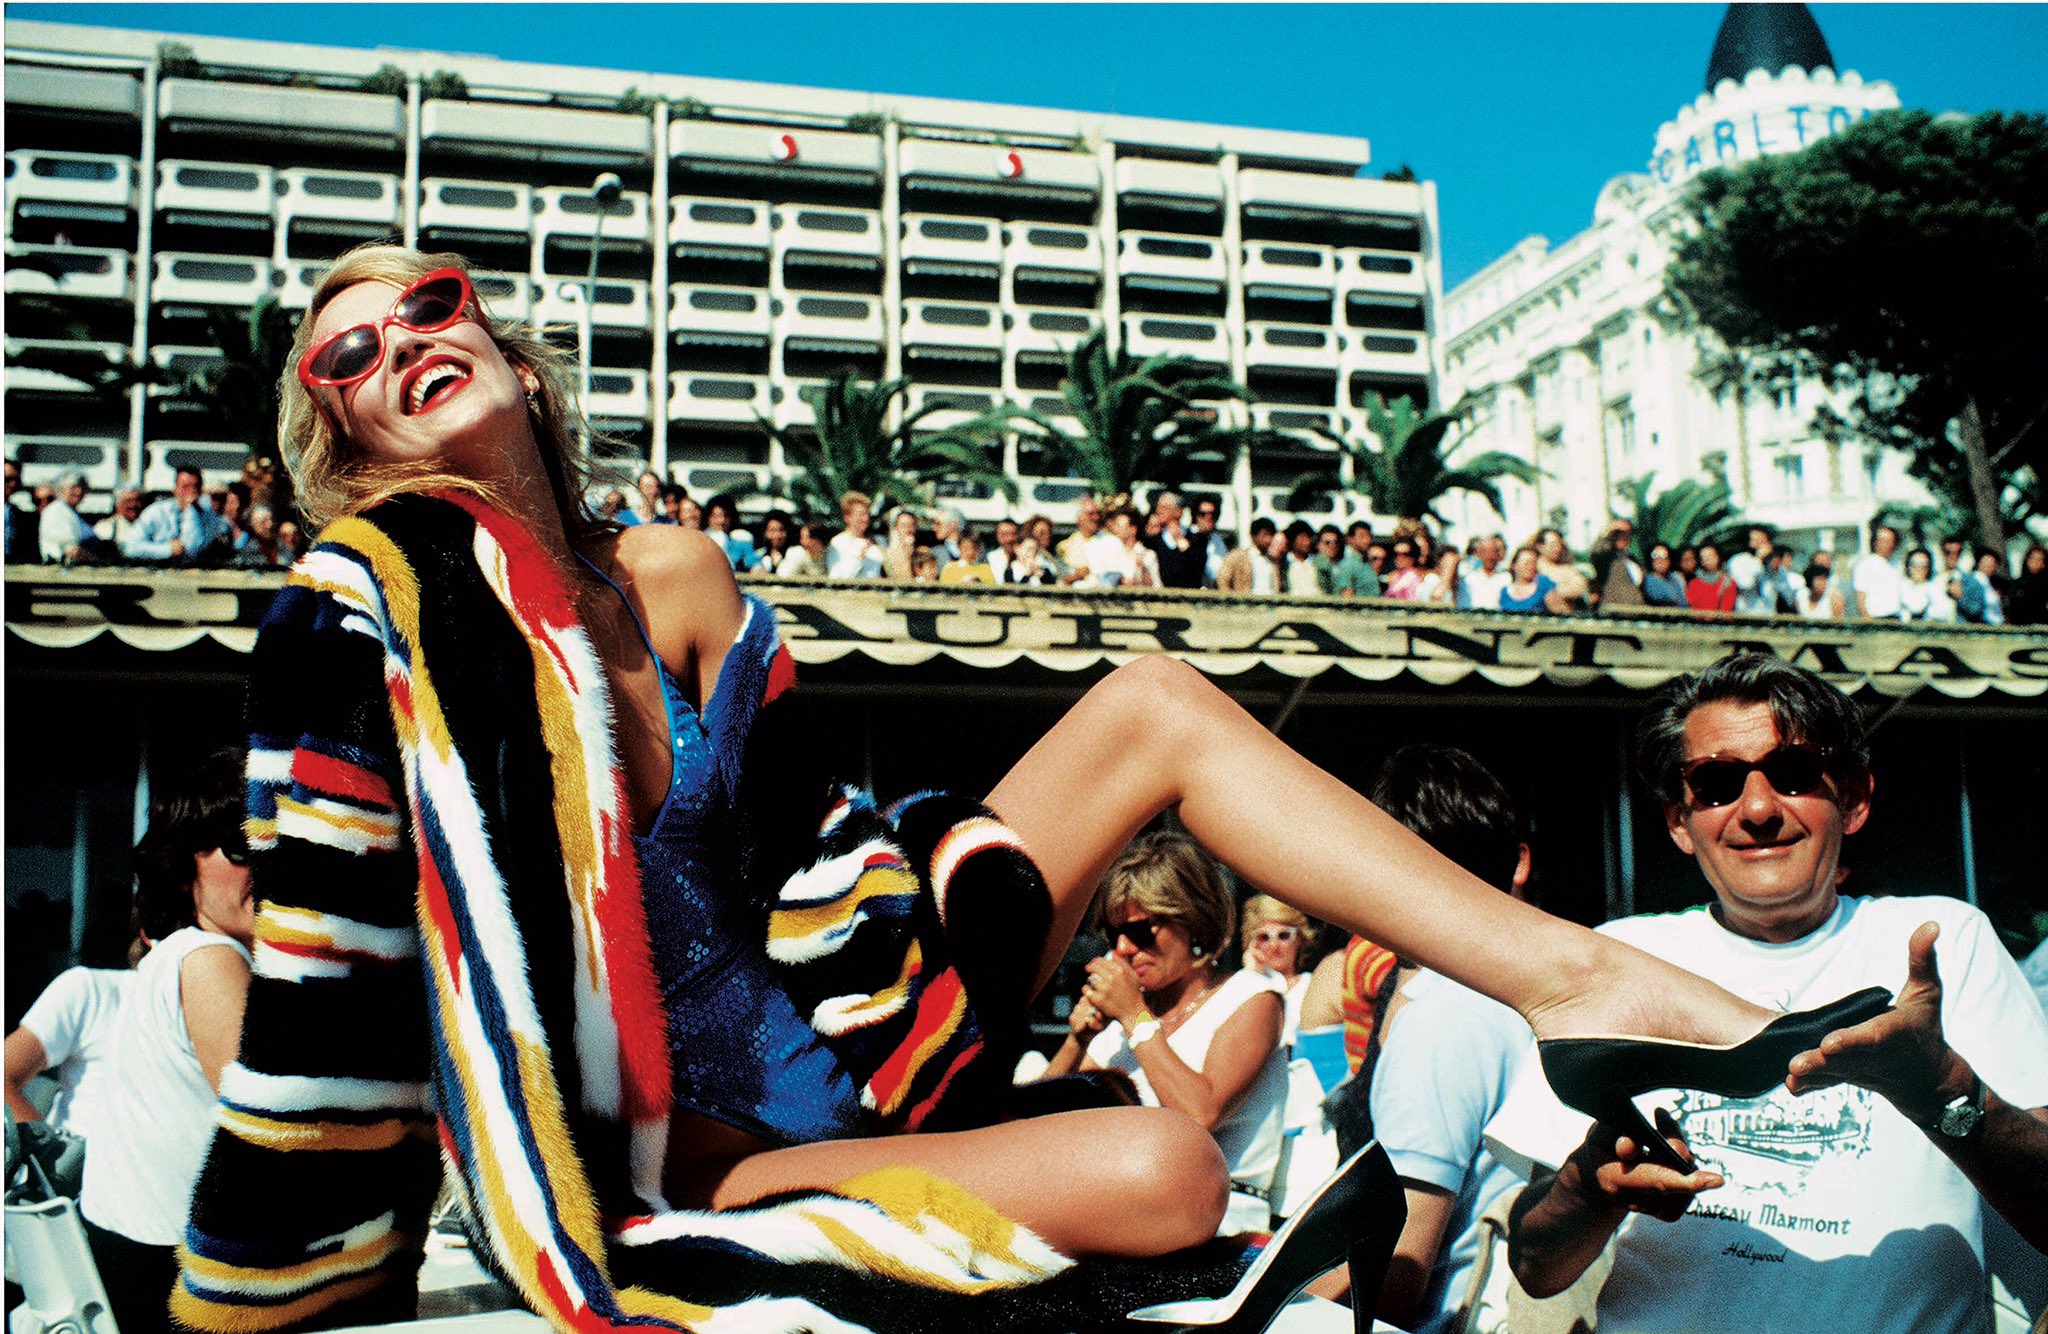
(1177, 1175)
(1158, 696)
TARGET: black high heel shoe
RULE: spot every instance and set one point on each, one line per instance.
(1355, 1217)
(1602, 1076)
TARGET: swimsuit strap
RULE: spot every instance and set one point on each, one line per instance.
(638, 624)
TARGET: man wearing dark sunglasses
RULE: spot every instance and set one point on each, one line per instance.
(1856, 1190)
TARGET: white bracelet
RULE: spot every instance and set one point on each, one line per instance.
(1143, 1031)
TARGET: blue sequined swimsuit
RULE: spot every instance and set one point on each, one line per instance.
(741, 1051)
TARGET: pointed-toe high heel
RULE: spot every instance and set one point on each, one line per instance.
(1356, 1217)
(1602, 1076)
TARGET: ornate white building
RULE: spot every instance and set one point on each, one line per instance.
(1572, 357)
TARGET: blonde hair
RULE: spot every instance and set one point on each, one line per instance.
(1265, 910)
(1170, 876)
(332, 480)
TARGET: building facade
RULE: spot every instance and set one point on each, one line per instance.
(765, 236)
(1573, 358)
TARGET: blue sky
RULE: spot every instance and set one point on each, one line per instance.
(1518, 112)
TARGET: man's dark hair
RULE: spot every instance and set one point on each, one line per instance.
(1299, 527)
(1804, 707)
(1358, 526)
(1453, 803)
(198, 814)
(184, 469)
(1329, 530)
(1262, 524)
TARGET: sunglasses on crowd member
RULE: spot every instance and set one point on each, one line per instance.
(1276, 935)
(1142, 932)
(1792, 771)
(440, 300)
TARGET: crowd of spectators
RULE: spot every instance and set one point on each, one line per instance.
(1115, 544)
(247, 524)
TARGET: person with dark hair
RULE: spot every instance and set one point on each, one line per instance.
(1982, 600)
(1447, 1055)
(1300, 575)
(1877, 583)
(778, 539)
(175, 1038)
(179, 528)
(1249, 569)
(1662, 584)
(1861, 1182)
(1710, 590)
(1353, 577)
(2028, 602)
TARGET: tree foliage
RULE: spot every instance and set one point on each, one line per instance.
(1684, 514)
(1905, 261)
(854, 448)
(1140, 417)
(1403, 467)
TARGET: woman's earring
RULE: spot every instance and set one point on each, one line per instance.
(1196, 949)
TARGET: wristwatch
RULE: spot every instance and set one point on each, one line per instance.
(1961, 1117)
(1146, 1030)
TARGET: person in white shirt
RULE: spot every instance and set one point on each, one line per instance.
(1118, 559)
(1485, 576)
(852, 554)
(179, 1026)
(67, 1034)
(1875, 581)
(1852, 1197)
(63, 535)
(1746, 568)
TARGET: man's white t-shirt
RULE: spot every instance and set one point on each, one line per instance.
(74, 1020)
(1838, 1213)
(1881, 585)
(850, 556)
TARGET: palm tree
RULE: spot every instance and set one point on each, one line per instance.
(1684, 514)
(1139, 416)
(1405, 468)
(855, 449)
(241, 389)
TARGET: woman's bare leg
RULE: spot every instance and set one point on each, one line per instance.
(1156, 734)
(1129, 1181)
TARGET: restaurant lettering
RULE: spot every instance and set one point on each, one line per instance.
(1078, 630)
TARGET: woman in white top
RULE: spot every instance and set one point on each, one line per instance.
(178, 1030)
(1276, 940)
(1817, 601)
(1923, 597)
(1161, 1008)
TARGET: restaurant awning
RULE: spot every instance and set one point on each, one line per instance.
(1343, 647)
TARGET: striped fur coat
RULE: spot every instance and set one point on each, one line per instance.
(452, 961)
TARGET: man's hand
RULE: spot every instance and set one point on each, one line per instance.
(1613, 1171)
(1564, 1219)
(1901, 1055)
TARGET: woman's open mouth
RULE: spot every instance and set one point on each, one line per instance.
(433, 384)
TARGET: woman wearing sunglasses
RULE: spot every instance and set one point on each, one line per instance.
(1276, 942)
(1192, 1032)
(531, 859)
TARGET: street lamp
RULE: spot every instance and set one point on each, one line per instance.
(604, 192)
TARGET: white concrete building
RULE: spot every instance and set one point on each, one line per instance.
(765, 235)
(1573, 359)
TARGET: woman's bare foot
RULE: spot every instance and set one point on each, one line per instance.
(1617, 990)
